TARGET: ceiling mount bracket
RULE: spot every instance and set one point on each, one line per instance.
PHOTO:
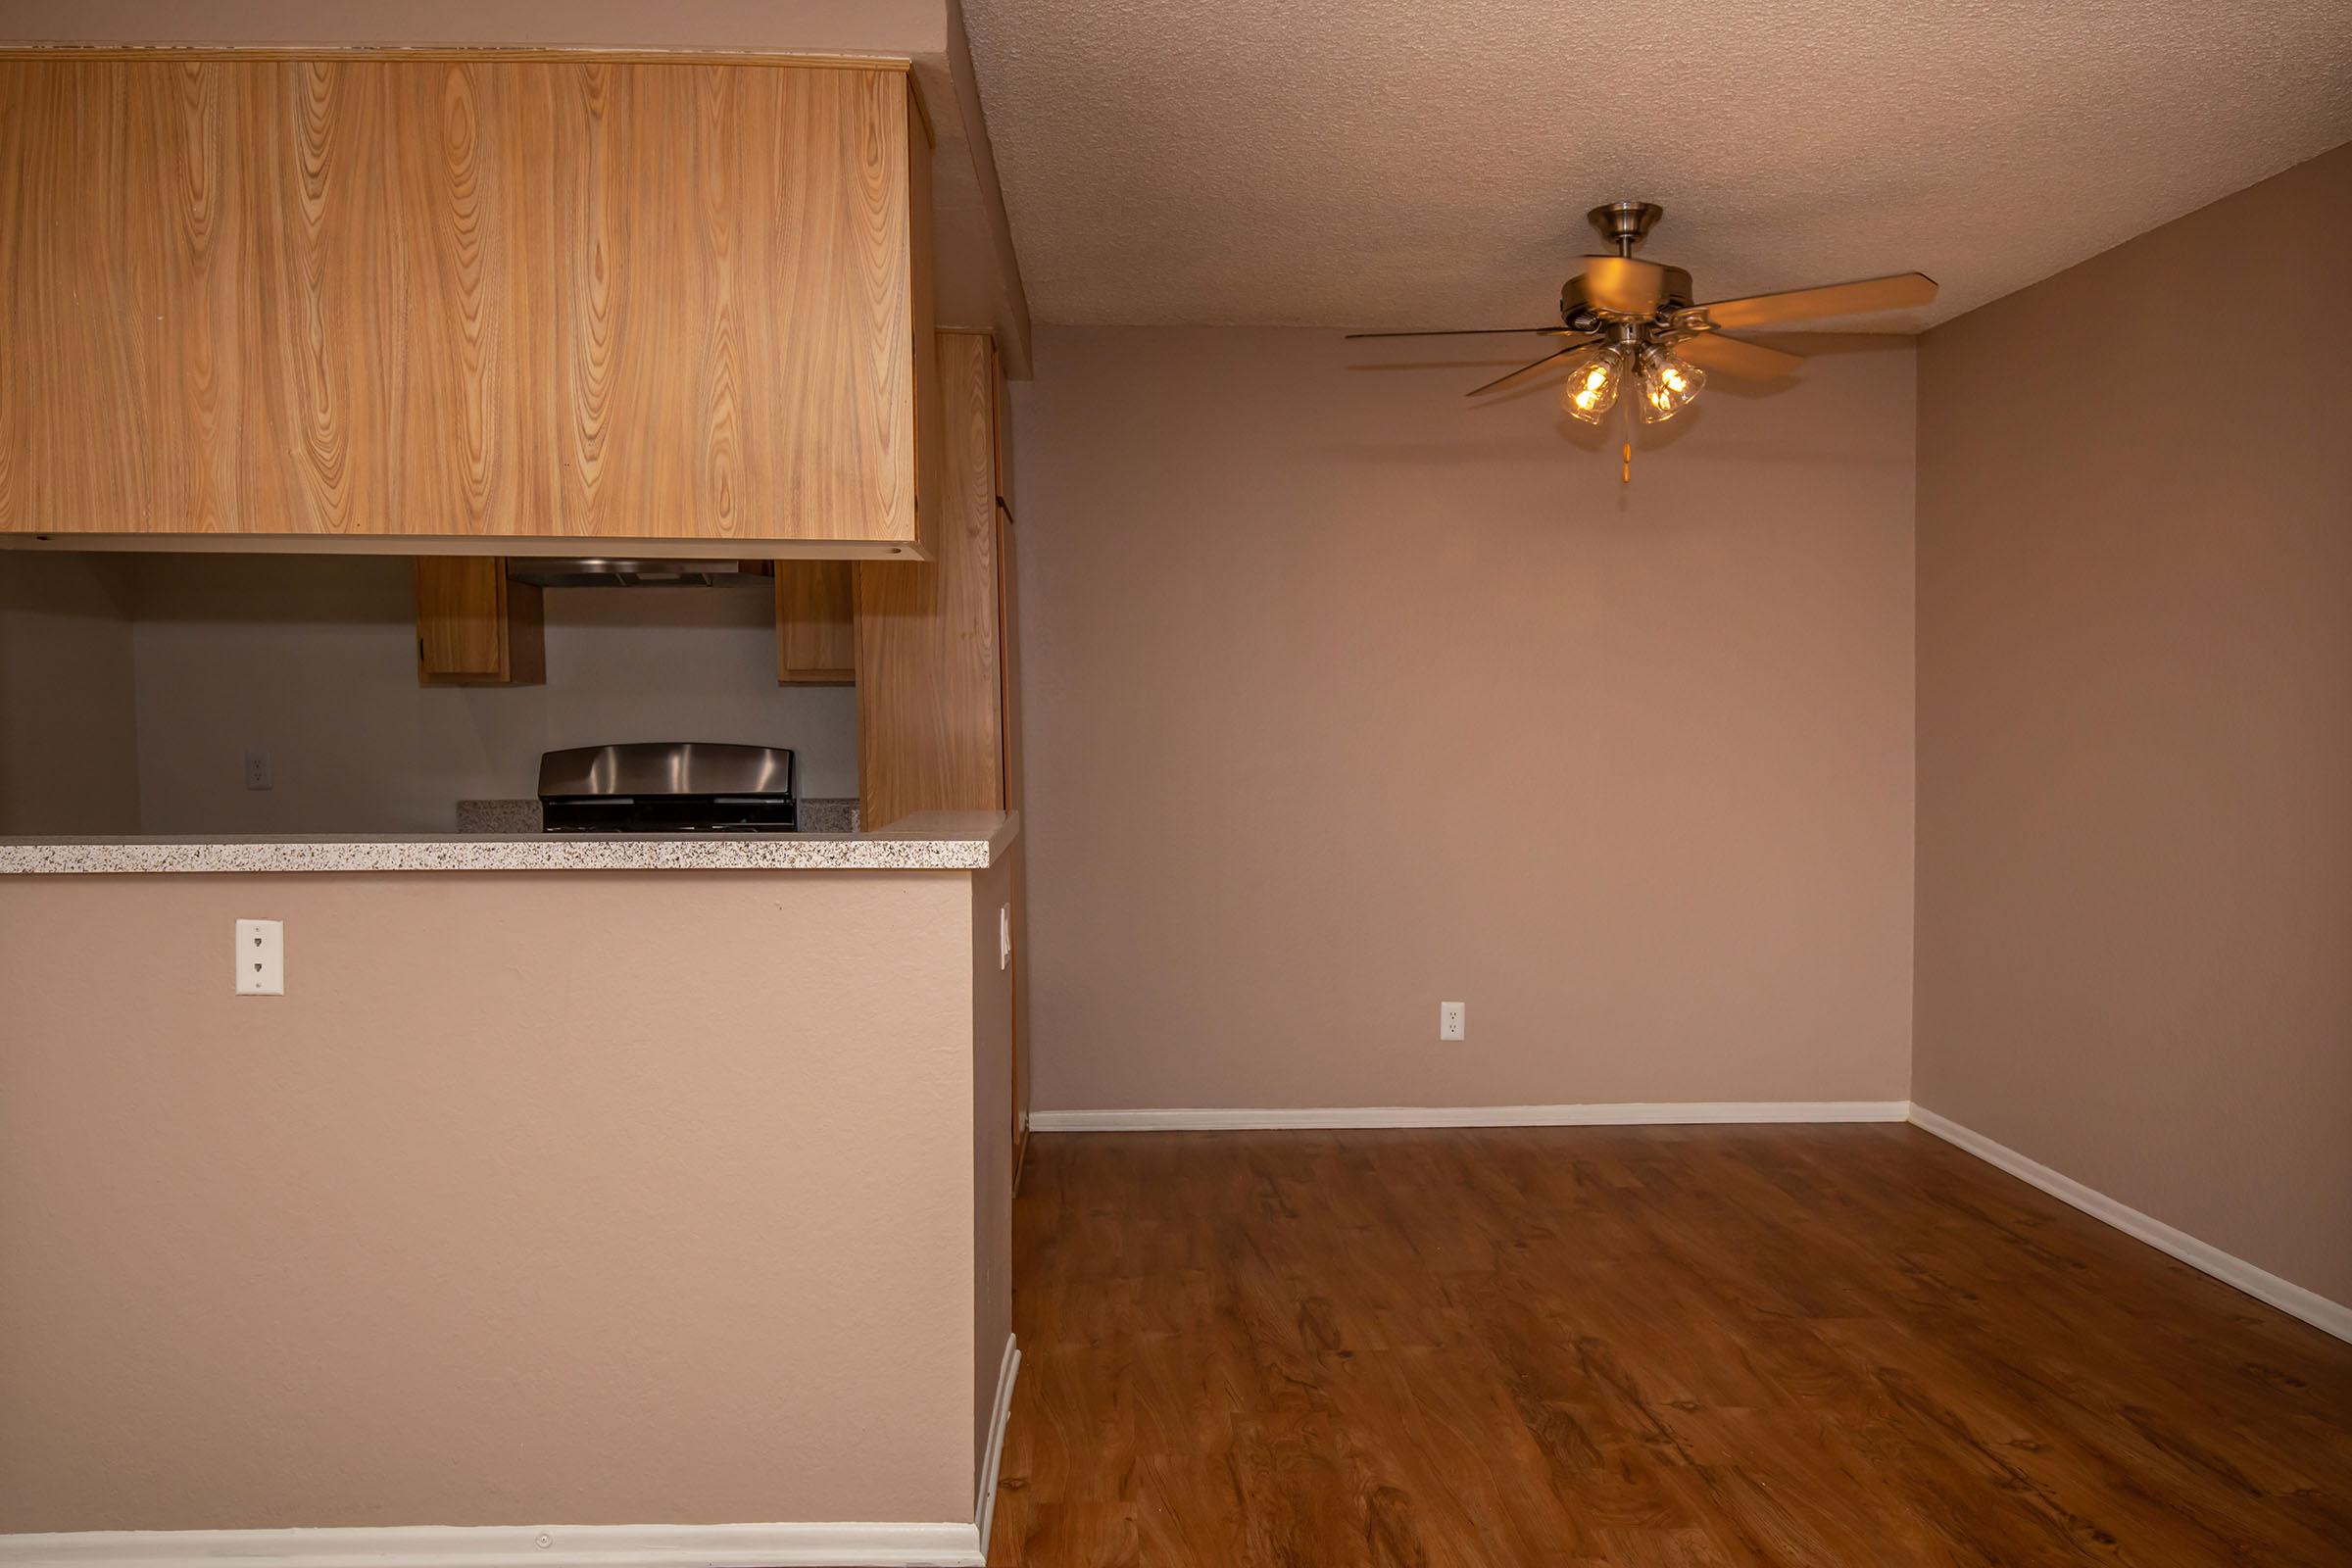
(1625, 224)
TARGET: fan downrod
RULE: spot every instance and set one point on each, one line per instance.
(1625, 224)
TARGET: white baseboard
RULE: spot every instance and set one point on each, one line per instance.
(1664, 1113)
(787, 1546)
(2332, 1317)
(791, 1546)
(984, 1506)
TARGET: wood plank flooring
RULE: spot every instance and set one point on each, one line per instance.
(1648, 1348)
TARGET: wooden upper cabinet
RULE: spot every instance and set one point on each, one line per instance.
(817, 628)
(475, 627)
(463, 298)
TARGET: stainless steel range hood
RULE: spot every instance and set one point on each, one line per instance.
(610, 571)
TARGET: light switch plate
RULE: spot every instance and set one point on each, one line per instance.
(1005, 937)
(261, 958)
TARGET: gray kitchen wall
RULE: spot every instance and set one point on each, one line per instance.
(68, 749)
(311, 660)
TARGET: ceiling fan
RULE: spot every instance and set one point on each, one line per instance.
(1621, 319)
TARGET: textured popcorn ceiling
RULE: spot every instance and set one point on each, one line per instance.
(1409, 162)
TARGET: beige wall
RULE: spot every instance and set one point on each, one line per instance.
(69, 743)
(313, 660)
(992, 1150)
(1343, 697)
(2135, 724)
(582, 1198)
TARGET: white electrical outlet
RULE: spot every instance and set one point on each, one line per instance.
(1453, 1020)
(257, 770)
(261, 958)
(1005, 937)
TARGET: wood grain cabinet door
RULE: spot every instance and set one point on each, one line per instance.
(463, 297)
(817, 628)
(475, 627)
(930, 682)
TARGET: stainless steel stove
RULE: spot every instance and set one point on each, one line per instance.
(667, 787)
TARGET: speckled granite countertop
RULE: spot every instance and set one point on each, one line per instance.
(939, 841)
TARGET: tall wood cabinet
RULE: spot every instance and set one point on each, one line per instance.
(316, 297)
(932, 644)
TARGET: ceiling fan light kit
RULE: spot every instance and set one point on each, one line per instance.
(1668, 382)
(1594, 376)
(1622, 316)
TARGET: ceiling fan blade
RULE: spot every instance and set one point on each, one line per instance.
(1622, 285)
(1466, 331)
(1504, 381)
(1733, 356)
(1893, 293)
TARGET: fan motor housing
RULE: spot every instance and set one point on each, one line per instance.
(1572, 301)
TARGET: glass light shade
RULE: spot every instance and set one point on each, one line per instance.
(1668, 382)
(1594, 376)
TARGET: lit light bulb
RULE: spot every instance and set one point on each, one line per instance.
(1668, 382)
(1594, 376)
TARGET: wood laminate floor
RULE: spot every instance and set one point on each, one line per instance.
(1637, 1347)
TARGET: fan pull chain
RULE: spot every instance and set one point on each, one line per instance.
(1626, 475)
